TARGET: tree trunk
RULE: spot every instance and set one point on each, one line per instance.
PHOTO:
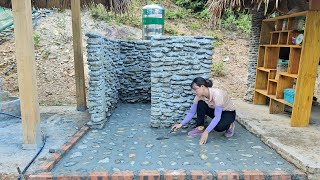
(257, 17)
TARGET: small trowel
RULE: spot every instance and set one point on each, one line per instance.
(165, 136)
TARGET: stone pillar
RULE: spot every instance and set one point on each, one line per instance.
(257, 17)
(96, 95)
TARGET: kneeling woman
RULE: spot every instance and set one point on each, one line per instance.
(212, 102)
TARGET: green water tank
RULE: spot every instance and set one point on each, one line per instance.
(152, 21)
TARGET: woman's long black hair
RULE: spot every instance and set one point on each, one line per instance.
(199, 81)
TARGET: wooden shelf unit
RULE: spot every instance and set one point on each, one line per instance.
(275, 41)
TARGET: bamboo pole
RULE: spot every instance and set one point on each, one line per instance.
(78, 56)
(26, 72)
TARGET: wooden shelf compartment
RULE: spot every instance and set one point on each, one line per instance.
(273, 80)
(281, 101)
(261, 80)
(294, 60)
(291, 21)
(261, 84)
(279, 25)
(280, 45)
(284, 82)
(295, 76)
(266, 28)
(271, 57)
(266, 70)
(272, 87)
(281, 31)
(283, 38)
(291, 35)
(303, 14)
(263, 93)
(284, 102)
(261, 53)
(260, 96)
(274, 38)
(275, 107)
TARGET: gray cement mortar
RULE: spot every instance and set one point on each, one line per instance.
(127, 142)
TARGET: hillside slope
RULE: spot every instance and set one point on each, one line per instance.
(54, 54)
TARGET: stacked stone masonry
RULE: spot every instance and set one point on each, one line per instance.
(136, 66)
(159, 71)
(175, 62)
(253, 52)
(119, 72)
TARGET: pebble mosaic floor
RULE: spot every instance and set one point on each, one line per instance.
(127, 142)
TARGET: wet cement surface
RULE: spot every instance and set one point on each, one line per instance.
(128, 143)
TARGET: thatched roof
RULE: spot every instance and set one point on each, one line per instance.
(116, 5)
(217, 7)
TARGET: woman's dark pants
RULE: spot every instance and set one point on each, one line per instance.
(227, 117)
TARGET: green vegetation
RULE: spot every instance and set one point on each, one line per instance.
(98, 11)
(237, 21)
(194, 26)
(176, 14)
(218, 69)
(171, 31)
(193, 14)
(194, 5)
(36, 40)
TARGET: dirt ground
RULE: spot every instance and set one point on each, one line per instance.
(233, 52)
(54, 57)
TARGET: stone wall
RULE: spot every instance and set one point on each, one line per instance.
(119, 71)
(159, 71)
(175, 62)
(257, 17)
(135, 82)
(103, 58)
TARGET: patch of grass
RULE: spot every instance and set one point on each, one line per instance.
(218, 69)
(213, 34)
(99, 12)
(237, 21)
(216, 43)
(217, 38)
(170, 31)
(36, 40)
(181, 14)
(194, 26)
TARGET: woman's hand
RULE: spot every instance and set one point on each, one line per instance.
(204, 137)
(176, 127)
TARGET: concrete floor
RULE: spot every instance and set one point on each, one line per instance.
(299, 145)
(128, 143)
(58, 123)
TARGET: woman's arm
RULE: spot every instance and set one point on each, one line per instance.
(190, 114)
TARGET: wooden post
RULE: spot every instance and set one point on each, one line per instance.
(26, 72)
(78, 56)
(307, 71)
(314, 5)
